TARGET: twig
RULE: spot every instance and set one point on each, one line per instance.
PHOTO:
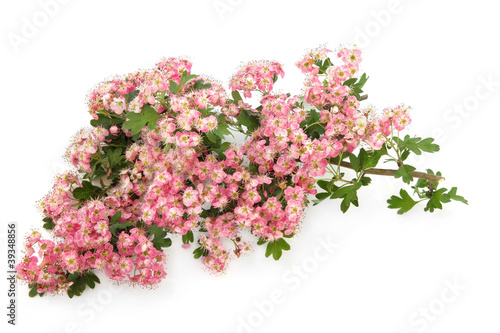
(391, 172)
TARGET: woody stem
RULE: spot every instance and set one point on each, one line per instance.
(391, 172)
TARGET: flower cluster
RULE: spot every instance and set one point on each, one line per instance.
(254, 76)
(84, 145)
(157, 162)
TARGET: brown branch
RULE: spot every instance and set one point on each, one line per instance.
(390, 172)
(363, 97)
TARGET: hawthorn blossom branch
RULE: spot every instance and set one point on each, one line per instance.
(166, 186)
(392, 172)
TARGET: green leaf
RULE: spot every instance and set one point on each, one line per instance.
(222, 129)
(405, 154)
(436, 200)
(106, 122)
(116, 217)
(362, 81)
(341, 192)
(188, 237)
(151, 116)
(405, 171)
(357, 87)
(357, 162)
(198, 85)
(311, 124)
(404, 203)
(115, 228)
(320, 197)
(350, 81)
(276, 248)
(353, 159)
(421, 183)
(33, 290)
(136, 121)
(80, 282)
(90, 283)
(167, 147)
(91, 279)
(372, 158)
(344, 190)
(131, 95)
(320, 65)
(349, 195)
(337, 159)
(175, 88)
(236, 97)
(49, 223)
(186, 77)
(94, 277)
(87, 191)
(417, 145)
(163, 242)
(156, 231)
(114, 156)
(452, 195)
(261, 241)
(362, 157)
(251, 122)
(200, 252)
(326, 185)
(211, 136)
(222, 148)
(365, 181)
(159, 235)
(283, 244)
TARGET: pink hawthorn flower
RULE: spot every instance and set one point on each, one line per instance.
(118, 105)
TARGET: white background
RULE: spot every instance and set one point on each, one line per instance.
(434, 56)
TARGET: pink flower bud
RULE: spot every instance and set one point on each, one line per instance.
(114, 130)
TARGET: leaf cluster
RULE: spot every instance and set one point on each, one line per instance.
(80, 282)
